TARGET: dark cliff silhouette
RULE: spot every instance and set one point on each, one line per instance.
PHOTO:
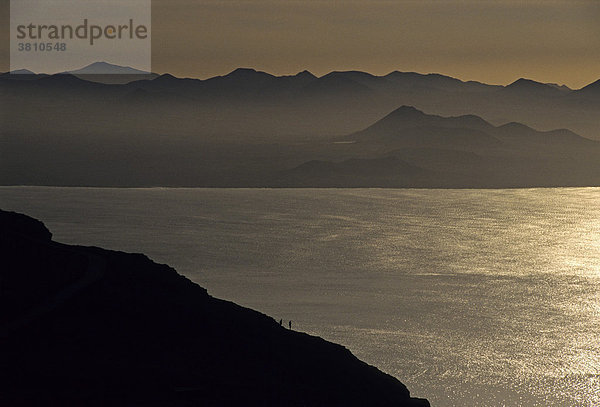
(87, 326)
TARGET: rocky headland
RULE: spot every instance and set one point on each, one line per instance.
(84, 326)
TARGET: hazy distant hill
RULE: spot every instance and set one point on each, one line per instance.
(104, 68)
(409, 148)
(409, 127)
(104, 72)
(531, 89)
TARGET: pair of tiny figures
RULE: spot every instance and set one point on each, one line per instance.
(289, 323)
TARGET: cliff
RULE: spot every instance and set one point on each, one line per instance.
(87, 326)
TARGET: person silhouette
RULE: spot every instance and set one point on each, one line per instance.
(290, 324)
(281, 322)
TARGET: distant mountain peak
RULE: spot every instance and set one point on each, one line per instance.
(102, 64)
(399, 117)
(105, 68)
(165, 77)
(400, 74)
(408, 115)
(524, 82)
(21, 72)
(530, 88)
(356, 76)
(239, 71)
(415, 125)
(516, 128)
(246, 73)
(407, 110)
(405, 114)
(305, 74)
(351, 72)
(529, 84)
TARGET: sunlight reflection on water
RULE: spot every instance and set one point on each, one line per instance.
(478, 298)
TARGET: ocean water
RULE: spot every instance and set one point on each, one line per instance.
(469, 297)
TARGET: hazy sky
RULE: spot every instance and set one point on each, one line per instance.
(494, 41)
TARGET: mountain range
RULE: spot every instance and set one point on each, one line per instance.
(251, 128)
(409, 148)
(303, 104)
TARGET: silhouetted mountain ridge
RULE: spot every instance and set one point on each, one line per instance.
(528, 85)
(336, 103)
(408, 120)
(409, 148)
(248, 127)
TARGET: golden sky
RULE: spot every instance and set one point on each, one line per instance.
(493, 41)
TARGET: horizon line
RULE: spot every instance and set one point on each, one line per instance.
(242, 68)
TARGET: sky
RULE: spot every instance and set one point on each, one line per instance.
(492, 41)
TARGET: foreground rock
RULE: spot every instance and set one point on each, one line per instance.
(87, 326)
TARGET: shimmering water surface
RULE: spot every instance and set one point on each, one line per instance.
(470, 297)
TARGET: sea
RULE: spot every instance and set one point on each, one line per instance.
(469, 297)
